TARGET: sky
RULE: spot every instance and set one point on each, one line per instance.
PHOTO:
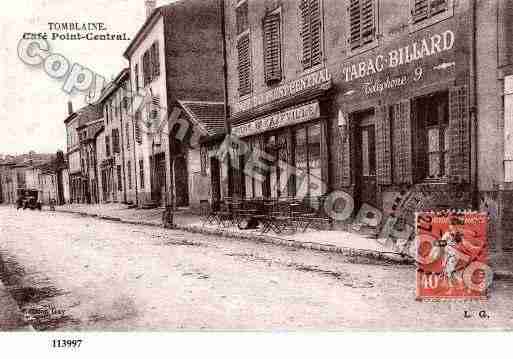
(32, 104)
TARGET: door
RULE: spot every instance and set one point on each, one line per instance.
(159, 173)
(366, 160)
(215, 174)
(181, 182)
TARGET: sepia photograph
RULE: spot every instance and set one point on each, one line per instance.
(293, 166)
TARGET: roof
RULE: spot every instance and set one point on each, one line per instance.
(88, 114)
(142, 32)
(114, 84)
(209, 116)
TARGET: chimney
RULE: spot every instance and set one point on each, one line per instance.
(70, 107)
(150, 6)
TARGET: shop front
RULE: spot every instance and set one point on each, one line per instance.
(288, 126)
(404, 129)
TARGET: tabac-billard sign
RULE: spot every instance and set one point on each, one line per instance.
(401, 65)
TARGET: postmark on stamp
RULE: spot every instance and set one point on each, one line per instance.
(452, 255)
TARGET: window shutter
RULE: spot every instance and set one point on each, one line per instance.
(354, 24)
(311, 32)
(316, 31)
(305, 33)
(243, 50)
(137, 124)
(156, 60)
(402, 143)
(345, 155)
(420, 10)
(272, 48)
(459, 127)
(361, 22)
(367, 21)
(155, 108)
(383, 146)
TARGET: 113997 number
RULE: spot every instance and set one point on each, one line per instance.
(67, 343)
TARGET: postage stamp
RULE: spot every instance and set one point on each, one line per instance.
(452, 256)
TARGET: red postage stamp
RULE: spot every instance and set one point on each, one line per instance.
(452, 256)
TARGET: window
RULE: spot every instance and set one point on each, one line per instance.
(146, 68)
(115, 140)
(136, 76)
(107, 113)
(362, 23)
(127, 135)
(241, 15)
(243, 48)
(120, 182)
(311, 32)
(155, 60)
(129, 175)
(151, 64)
(424, 9)
(308, 160)
(155, 108)
(432, 142)
(272, 48)
(141, 173)
(244, 68)
(107, 146)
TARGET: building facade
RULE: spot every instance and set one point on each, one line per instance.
(117, 172)
(389, 101)
(175, 56)
(80, 155)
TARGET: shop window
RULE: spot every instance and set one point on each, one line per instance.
(425, 9)
(362, 22)
(311, 32)
(308, 160)
(432, 140)
(272, 48)
(368, 152)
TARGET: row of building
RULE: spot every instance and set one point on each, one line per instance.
(403, 104)
(45, 173)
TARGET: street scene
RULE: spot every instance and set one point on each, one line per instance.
(113, 276)
(257, 165)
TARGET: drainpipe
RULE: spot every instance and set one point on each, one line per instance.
(227, 123)
(122, 146)
(473, 110)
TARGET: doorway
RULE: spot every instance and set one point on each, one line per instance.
(365, 139)
(215, 173)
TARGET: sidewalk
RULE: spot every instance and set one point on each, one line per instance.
(348, 243)
(331, 241)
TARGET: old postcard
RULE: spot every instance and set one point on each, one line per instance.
(262, 165)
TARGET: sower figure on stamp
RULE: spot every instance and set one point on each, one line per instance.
(452, 238)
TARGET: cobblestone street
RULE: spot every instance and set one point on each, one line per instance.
(68, 272)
